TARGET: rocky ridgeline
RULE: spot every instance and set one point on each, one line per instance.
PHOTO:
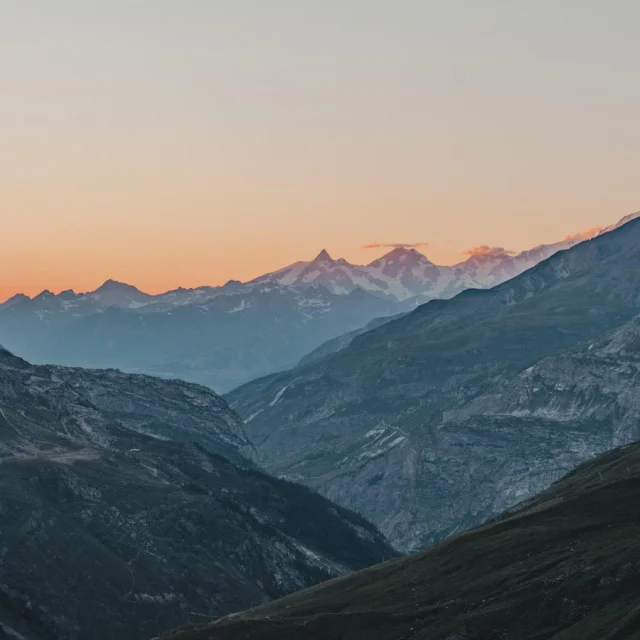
(434, 421)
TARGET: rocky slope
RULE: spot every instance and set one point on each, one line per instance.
(109, 530)
(411, 423)
(167, 409)
(563, 565)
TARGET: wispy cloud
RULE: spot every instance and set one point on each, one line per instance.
(395, 245)
(587, 234)
(485, 251)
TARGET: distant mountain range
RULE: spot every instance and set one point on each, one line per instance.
(221, 338)
(405, 273)
(225, 336)
(439, 419)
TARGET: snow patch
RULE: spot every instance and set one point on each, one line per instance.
(253, 415)
(377, 431)
(163, 598)
(375, 453)
(278, 396)
(244, 304)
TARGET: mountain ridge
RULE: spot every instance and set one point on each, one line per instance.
(371, 425)
(502, 265)
(404, 272)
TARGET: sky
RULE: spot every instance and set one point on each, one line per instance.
(187, 142)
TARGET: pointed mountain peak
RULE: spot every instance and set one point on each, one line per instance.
(406, 252)
(323, 256)
(232, 286)
(17, 298)
(114, 284)
(43, 295)
(406, 255)
(119, 294)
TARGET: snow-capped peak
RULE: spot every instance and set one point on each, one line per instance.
(404, 255)
(114, 285)
(44, 295)
(323, 258)
(402, 273)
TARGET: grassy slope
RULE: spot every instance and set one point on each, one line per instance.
(564, 565)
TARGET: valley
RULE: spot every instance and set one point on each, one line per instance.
(435, 432)
(563, 564)
(319, 320)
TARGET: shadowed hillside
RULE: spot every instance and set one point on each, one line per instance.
(117, 522)
(564, 566)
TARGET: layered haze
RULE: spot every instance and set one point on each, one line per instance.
(225, 336)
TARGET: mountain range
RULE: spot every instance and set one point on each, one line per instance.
(152, 496)
(225, 336)
(431, 423)
(406, 274)
(237, 333)
(127, 506)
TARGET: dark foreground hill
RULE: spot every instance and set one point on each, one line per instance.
(564, 565)
(123, 528)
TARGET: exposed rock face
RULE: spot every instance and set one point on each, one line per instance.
(109, 530)
(434, 421)
(166, 409)
(562, 565)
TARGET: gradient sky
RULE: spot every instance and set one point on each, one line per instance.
(186, 142)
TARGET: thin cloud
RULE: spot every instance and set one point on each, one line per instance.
(395, 245)
(485, 251)
(587, 234)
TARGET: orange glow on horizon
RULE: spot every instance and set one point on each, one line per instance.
(30, 274)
